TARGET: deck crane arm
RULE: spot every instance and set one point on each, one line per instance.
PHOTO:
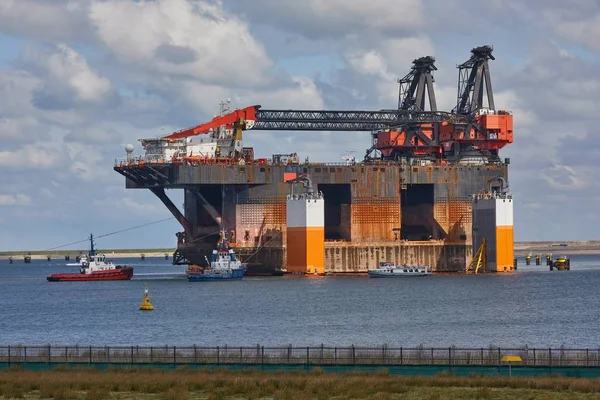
(244, 117)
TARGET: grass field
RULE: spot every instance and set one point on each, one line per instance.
(221, 384)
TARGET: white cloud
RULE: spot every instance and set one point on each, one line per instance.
(337, 18)
(579, 22)
(300, 93)
(65, 69)
(182, 38)
(129, 205)
(14, 200)
(564, 177)
(38, 156)
(42, 19)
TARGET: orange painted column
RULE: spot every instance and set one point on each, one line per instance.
(505, 245)
(305, 243)
(493, 221)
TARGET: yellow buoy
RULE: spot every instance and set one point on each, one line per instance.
(146, 305)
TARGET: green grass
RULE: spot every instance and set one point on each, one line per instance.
(220, 384)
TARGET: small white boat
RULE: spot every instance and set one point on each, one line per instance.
(390, 270)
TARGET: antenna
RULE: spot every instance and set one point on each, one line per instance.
(92, 251)
(223, 236)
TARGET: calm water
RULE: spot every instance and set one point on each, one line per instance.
(534, 307)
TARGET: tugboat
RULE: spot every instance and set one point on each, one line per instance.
(95, 268)
(223, 264)
(390, 270)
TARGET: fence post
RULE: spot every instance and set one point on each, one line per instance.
(353, 355)
(499, 356)
(401, 357)
(587, 357)
(307, 356)
(218, 355)
(335, 355)
(550, 358)
(108, 354)
(534, 357)
(151, 355)
(383, 353)
(482, 362)
(431, 363)
(8, 355)
(66, 354)
(25, 353)
(262, 356)
(131, 355)
(90, 354)
(174, 355)
(49, 354)
(450, 357)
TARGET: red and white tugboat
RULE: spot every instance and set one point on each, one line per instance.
(95, 268)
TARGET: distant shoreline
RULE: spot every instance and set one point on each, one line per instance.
(522, 249)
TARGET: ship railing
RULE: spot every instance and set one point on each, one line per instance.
(142, 160)
(295, 355)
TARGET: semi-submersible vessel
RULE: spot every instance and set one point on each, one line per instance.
(409, 201)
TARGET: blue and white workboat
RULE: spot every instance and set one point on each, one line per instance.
(223, 264)
(390, 270)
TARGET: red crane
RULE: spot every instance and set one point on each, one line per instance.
(408, 131)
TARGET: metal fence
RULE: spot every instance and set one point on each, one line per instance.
(290, 355)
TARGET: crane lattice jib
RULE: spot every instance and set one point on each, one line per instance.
(309, 120)
(314, 120)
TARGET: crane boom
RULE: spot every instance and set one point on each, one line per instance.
(312, 120)
(241, 115)
(309, 120)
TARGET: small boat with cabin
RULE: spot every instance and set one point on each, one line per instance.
(390, 270)
(223, 264)
(94, 267)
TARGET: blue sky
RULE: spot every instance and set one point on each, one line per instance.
(80, 79)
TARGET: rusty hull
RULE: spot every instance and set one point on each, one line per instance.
(373, 212)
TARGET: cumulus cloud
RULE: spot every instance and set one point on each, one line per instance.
(193, 39)
(316, 19)
(14, 200)
(44, 20)
(38, 156)
(68, 80)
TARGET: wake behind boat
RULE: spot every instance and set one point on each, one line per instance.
(390, 270)
(95, 268)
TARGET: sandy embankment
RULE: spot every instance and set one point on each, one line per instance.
(73, 255)
(591, 247)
